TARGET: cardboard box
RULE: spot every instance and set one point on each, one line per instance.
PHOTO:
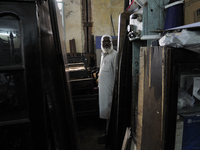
(191, 131)
(192, 11)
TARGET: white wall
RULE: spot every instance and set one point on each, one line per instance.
(73, 23)
(101, 12)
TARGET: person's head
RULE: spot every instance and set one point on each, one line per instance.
(106, 43)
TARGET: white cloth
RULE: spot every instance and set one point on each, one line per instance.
(106, 83)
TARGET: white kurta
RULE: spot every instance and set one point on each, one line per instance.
(106, 83)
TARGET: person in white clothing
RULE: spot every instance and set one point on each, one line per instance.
(106, 80)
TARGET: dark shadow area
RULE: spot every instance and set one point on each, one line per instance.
(89, 129)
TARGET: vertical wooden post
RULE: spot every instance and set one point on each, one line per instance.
(74, 47)
(89, 13)
(87, 27)
(71, 48)
(84, 19)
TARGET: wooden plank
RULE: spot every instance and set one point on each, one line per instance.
(85, 42)
(74, 47)
(92, 45)
(166, 69)
(89, 11)
(84, 10)
(151, 100)
(140, 98)
(89, 19)
(90, 40)
(84, 19)
(71, 48)
(120, 113)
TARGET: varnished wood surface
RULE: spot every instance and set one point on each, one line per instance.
(151, 99)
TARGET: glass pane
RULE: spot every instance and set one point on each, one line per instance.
(15, 137)
(60, 7)
(10, 42)
(12, 96)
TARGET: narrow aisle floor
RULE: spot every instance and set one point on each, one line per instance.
(89, 129)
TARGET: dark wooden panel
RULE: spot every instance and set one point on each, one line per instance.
(89, 40)
(151, 99)
(89, 11)
(84, 10)
(72, 44)
(121, 105)
(85, 30)
(87, 26)
(71, 48)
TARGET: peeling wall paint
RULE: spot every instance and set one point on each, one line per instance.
(101, 18)
(102, 11)
(73, 24)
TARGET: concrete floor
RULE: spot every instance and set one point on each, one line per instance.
(89, 129)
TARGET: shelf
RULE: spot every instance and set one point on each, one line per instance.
(13, 122)
(195, 108)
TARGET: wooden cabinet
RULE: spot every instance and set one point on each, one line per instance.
(36, 109)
